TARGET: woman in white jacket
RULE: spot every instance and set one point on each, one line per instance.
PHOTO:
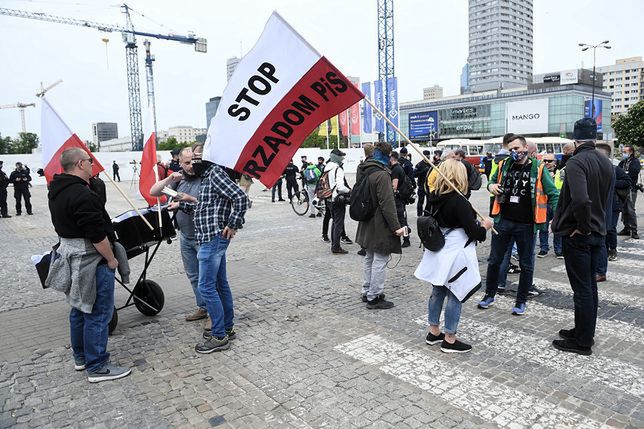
(453, 271)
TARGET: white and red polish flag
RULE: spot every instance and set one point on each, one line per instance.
(281, 91)
(56, 137)
(149, 168)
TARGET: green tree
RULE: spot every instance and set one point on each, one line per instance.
(171, 143)
(629, 127)
(25, 143)
(315, 140)
(5, 144)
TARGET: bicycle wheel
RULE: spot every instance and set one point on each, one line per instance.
(300, 203)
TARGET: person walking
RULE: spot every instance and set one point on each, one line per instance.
(580, 218)
(218, 215)
(4, 183)
(339, 199)
(452, 271)
(86, 266)
(186, 183)
(380, 234)
(421, 170)
(115, 171)
(522, 191)
(20, 179)
(631, 165)
(290, 173)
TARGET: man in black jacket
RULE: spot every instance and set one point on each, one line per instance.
(20, 178)
(4, 182)
(580, 218)
(421, 170)
(77, 212)
(631, 165)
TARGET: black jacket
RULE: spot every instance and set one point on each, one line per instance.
(77, 211)
(24, 177)
(632, 167)
(584, 197)
(4, 180)
(453, 211)
(420, 173)
(622, 181)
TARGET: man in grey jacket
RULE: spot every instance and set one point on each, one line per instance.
(379, 235)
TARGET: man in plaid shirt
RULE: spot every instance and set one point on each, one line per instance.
(218, 214)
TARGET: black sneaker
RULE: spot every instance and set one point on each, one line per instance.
(559, 255)
(346, 240)
(325, 238)
(612, 255)
(339, 251)
(213, 344)
(379, 304)
(571, 347)
(634, 235)
(513, 269)
(311, 215)
(569, 334)
(542, 254)
(434, 339)
(405, 243)
(500, 289)
(365, 299)
(534, 292)
(108, 372)
(456, 347)
(362, 252)
(624, 231)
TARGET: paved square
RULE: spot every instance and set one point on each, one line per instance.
(308, 353)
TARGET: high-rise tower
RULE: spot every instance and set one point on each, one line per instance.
(500, 54)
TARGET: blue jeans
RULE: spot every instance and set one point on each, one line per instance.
(213, 284)
(503, 268)
(189, 250)
(524, 237)
(544, 235)
(581, 254)
(452, 309)
(89, 332)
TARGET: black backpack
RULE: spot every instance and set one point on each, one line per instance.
(430, 233)
(361, 207)
(406, 190)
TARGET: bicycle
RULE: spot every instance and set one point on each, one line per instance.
(301, 203)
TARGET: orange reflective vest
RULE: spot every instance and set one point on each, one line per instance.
(539, 197)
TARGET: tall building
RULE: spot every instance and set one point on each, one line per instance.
(500, 39)
(432, 92)
(465, 79)
(231, 65)
(102, 131)
(624, 80)
(211, 109)
(185, 134)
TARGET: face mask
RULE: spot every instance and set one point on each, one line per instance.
(517, 156)
(625, 156)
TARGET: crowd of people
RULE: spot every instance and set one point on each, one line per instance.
(580, 197)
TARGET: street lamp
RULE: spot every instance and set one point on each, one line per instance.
(585, 47)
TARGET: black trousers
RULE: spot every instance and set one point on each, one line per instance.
(3, 202)
(292, 188)
(401, 212)
(420, 206)
(19, 194)
(581, 254)
(116, 175)
(337, 231)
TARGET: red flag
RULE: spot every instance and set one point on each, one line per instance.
(354, 119)
(344, 123)
(56, 137)
(149, 169)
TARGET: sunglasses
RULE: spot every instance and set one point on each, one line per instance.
(91, 160)
(548, 160)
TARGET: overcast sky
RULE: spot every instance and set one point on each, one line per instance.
(430, 40)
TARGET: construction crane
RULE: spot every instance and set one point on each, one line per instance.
(22, 107)
(131, 53)
(386, 57)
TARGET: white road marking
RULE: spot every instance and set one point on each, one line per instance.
(627, 279)
(606, 295)
(630, 251)
(494, 402)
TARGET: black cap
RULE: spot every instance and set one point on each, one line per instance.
(585, 130)
(403, 150)
(175, 152)
(426, 152)
(338, 152)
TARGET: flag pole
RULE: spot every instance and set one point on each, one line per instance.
(422, 155)
(329, 122)
(156, 180)
(118, 188)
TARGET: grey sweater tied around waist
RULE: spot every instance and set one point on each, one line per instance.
(73, 271)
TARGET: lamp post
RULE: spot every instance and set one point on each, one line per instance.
(585, 47)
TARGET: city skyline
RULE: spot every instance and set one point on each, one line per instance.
(185, 80)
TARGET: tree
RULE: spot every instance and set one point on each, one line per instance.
(25, 143)
(5, 144)
(629, 127)
(171, 143)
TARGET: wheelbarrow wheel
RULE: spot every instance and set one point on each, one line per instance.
(113, 322)
(152, 296)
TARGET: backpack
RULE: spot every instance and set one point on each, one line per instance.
(323, 189)
(430, 233)
(361, 207)
(406, 190)
(310, 176)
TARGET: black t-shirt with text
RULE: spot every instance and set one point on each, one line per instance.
(518, 192)
(291, 171)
